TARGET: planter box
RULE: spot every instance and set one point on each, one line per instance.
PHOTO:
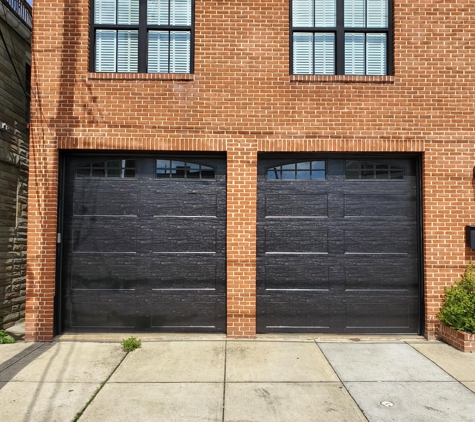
(458, 339)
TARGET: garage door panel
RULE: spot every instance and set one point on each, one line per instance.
(187, 204)
(382, 277)
(378, 240)
(181, 314)
(190, 237)
(104, 310)
(192, 273)
(104, 235)
(97, 200)
(296, 241)
(104, 271)
(380, 205)
(294, 206)
(284, 314)
(381, 315)
(297, 277)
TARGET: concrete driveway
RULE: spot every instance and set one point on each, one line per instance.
(214, 379)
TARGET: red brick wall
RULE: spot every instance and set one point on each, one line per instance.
(242, 100)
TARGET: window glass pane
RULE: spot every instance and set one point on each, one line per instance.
(325, 13)
(303, 54)
(303, 166)
(273, 173)
(106, 44)
(128, 12)
(83, 172)
(157, 12)
(377, 11)
(128, 173)
(180, 52)
(318, 174)
(111, 172)
(105, 11)
(207, 172)
(324, 54)
(376, 54)
(288, 175)
(98, 172)
(127, 51)
(101, 164)
(354, 54)
(158, 51)
(352, 170)
(178, 169)
(128, 163)
(318, 165)
(114, 163)
(302, 13)
(288, 167)
(180, 12)
(355, 14)
(303, 175)
(163, 164)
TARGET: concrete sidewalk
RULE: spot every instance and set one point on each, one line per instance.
(214, 379)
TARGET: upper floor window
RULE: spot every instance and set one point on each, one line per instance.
(342, 37)
(146, 36)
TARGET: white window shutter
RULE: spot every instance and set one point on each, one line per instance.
(106, 50)
(158, 51)
(127, 51)
(180, 44)
(377, 11)
(128, 12)
(302, 13)
(180, 12)
(355, 14)
(303, 53)
(324, 54)
(325, 13)
(376, 54)
(105, 11)
(354, 54)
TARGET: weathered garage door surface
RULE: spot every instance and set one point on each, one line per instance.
(338, 246)
(144, 244)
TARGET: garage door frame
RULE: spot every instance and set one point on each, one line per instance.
(417, 159)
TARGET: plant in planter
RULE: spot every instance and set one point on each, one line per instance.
(457, 314)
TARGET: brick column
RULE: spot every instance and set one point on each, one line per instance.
(41, 235)
(241, 239)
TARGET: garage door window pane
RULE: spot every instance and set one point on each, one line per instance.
(371, 170)
(306, 170)
(183, 170)
(112, 169)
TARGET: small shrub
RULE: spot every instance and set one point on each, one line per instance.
(130, 344)
(458, 309)
(5, 338)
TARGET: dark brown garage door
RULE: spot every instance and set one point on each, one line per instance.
(338, 245)
(143, 244)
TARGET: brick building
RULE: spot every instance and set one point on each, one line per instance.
(248, 166)
(15, 48)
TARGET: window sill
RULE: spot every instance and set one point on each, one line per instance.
(381, 79)
(141, 76)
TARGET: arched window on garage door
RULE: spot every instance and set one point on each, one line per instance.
(302, 170)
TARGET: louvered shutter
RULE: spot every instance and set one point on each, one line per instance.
(127, 51)
(324, 54)
(106, 50)
(355, 14)
(180, 52)
(158, 51)
(105, 11)
(354, 54)
(128, 12)
(376, 54)
(303, 53)
(302, 13)
(325, 13)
